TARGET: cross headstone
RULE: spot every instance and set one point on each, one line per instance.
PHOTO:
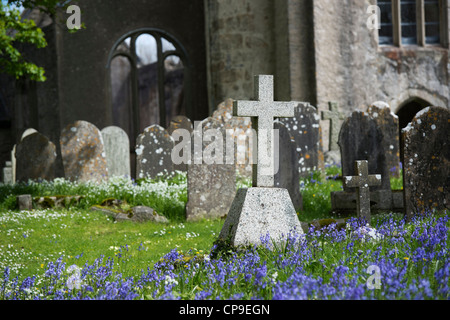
(153, 153)
(334, 115)
(83, 153)
(362, 181)
(305, 130)
(262, 210)
(426, 167)
(35, 158)
(117, 149)
(263, 111)
(387, 122)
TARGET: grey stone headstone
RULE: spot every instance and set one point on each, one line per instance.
(211, 184)
(35, 158)
(24, 202)
(180, 122)
(387, 122)
(7, 175)
(360, 138)
(426, 168)
(117, 148)
(242, 136)
(83, 153)
(305, 130)
(153, 153)
(288, 174)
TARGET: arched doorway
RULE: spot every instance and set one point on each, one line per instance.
(406, 113)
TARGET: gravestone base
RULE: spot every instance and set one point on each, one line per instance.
(256, 212)
(343, 202)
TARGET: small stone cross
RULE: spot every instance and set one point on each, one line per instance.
(263, 111)
(362, 182)
(334, 116)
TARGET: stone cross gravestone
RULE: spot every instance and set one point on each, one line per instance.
(153, 153)
(288, 174)
(305, 130)
(211, 182)
(117, 149)
(426, 168)
(35, 158)
(362, 181)
(263, 111)
(83, 153)
(387, 122)
(334, 116)
(262, 210)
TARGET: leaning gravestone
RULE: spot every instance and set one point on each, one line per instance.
(117, 148)
(211, 182)
(153, 153)
(262, 210)
(387, 122)
(426, 176)
(305, 131)
(287, 173)
(83, 153)
(35, 158)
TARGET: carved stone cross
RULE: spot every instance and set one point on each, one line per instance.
(362, 182)
(334, 116)
(263, 111)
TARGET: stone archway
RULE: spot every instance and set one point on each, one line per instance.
(406, 113)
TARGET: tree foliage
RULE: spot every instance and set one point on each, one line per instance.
(15, 30)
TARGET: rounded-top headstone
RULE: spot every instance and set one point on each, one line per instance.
(83, 153)
(117, 148)
(426, 176)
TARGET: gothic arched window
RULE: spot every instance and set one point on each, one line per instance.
(149, 80)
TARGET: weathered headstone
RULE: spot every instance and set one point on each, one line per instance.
(362, 181)
(180, 122)
(7, 175)
(13, 153)
(153, 153)
(35, 158)
(334, 115)
(211, 182)
(262, 210)
(426, 169)
(117, 149)
(360, 138)
(288, 174)
(83, 153)
(243, 136)
(387, 122)
(306, 132)
(24, 202)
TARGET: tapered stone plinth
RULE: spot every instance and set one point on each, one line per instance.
(256, 212)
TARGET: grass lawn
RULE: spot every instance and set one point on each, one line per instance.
(173, 260)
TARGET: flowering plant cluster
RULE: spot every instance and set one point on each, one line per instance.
(410, 259)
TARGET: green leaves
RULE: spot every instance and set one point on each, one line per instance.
(13, 31)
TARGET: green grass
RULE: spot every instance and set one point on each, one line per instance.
(29, 240)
